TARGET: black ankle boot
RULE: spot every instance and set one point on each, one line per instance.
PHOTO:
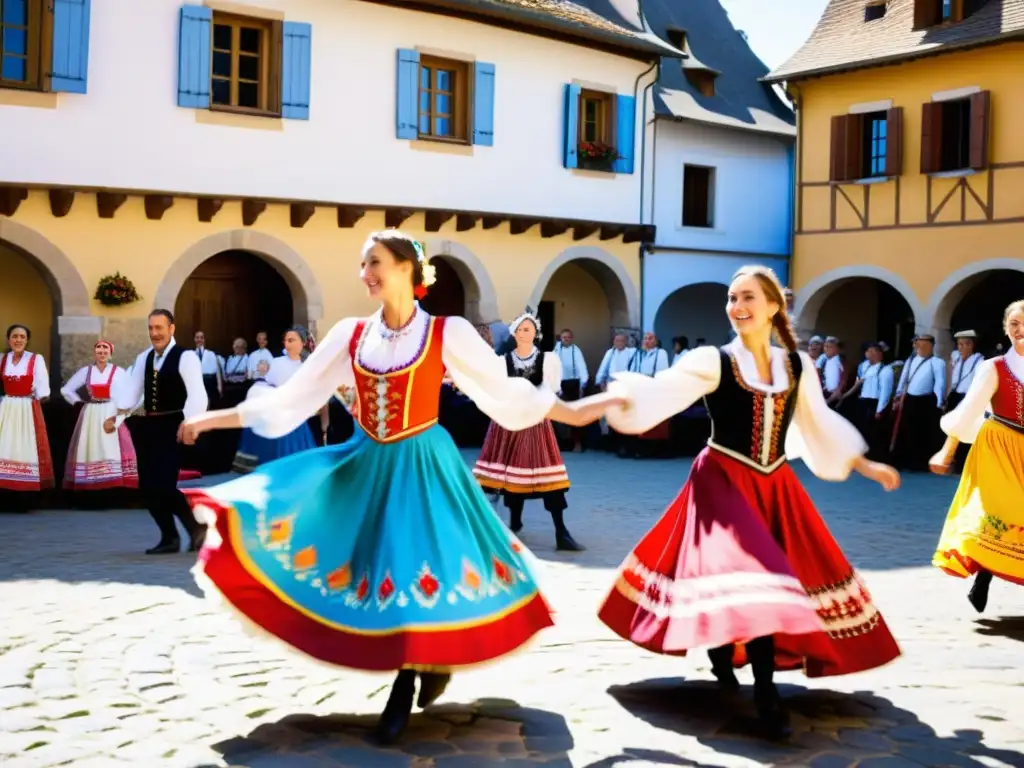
(726, 677)
(432, 686)
(979, 591)
(395, 716)
(773, 715)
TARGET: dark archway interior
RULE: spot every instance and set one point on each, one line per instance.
(981, 308)
(232, 294)
(447, 296)
(863, 309)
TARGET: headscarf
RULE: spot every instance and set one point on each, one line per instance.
(530, 315)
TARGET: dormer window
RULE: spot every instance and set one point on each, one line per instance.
(701, 79)
(676, 38)
(930, 13)
(875, 10)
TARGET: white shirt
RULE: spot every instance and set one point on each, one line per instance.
(876, 383)
(236, 368)
(650, 361)
(77, 382)
(573, 364)
(680, 356)
(963, 371)
(614, 361)
(964, 421)
(255, 358)
(40, 376)
(208, 361)
(132, 395)
(925, 375)
(833, 371)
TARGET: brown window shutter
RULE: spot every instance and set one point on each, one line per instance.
(980, 108)
(837, 157)
(931, 136)
(894, 141)
(926, 13)
(854, 147)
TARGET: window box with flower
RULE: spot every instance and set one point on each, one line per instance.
(597, 156)
(115, 290)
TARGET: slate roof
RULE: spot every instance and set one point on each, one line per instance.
(570, 18)
(712, 43)
(843, 40)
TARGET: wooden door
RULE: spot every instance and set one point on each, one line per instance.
(233, 294)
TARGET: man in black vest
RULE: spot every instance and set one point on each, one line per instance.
(170, 386)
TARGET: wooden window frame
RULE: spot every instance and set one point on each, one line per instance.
(709, 197)
(271, 40)
(928, 13)
(980, 117)
(461, 96)
(848, 160)
(607, 118)
(40, 48)
(701, 79)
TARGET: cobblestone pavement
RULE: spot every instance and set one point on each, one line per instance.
(110, 658)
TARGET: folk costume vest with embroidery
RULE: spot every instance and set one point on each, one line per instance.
(400, 403)
(1008, 401)
(165, 390)
(19, 386)
(748, 424)
(533, 374)
(100, 392)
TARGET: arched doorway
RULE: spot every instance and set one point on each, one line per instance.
(858, 310)
(234, 293)
(696, 311)
(977, 302)
(447, 296)
(588, 296)
(29, 296)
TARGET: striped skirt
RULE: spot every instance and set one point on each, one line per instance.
(526, 462)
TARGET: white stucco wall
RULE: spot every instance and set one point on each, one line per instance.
(128, 131)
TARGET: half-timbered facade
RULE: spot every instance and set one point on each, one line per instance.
(230, 160)
(910, 175)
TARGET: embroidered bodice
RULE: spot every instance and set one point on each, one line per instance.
(22, 382)
(1008, 400)
(530, 368)
(392, 404)
(751, 424)
(99, 390)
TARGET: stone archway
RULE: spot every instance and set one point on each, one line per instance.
(588, 290)
(696, 312)
(481, 300)
(307, 296)
(957, 287)
(876, 304)
(75, 329)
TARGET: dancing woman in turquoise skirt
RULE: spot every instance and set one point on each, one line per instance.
(382, 553)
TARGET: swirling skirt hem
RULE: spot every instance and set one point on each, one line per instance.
(220, 574)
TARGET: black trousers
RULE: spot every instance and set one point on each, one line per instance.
(919, 435)
(159, 457)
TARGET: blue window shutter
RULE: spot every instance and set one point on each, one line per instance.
(407, 110)
(295, 70)
(194, 35)
(571, 128)
(70, 64)
(625, 133)
(483, 104)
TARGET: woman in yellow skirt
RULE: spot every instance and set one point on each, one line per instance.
(984, 530)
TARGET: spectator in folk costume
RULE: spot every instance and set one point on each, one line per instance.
(25, 460)
(920, 394)
(984, 531)
(615, 360)
(649, 360)
(965, 359)
(527, 464)
(101, 454)
(741, 562)
(260, 358)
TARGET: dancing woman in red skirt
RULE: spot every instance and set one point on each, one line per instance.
(741, 562)
(527, 464)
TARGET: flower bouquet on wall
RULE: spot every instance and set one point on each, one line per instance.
(596, 155)
(115, 290)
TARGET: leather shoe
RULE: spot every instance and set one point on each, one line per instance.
(171, 547)
(566, 543)
(395, 716)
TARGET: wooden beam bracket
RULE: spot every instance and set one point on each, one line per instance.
(300, 213)
(251, 210)
(434, 220)
(520, 226)
(395, 217)
(157, 205)
(583, 231)
(61, 201)
(107, 203)
(610, 232)
(465, 222)
(491, 222)
(348, 216)
(10, 199)
(208, 207)
(553, 228)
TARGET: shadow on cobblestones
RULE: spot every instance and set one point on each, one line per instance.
(482, 733)
(830, 729)
(1010, 627)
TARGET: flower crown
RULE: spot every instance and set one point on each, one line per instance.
(429, 272)
(530, 315)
